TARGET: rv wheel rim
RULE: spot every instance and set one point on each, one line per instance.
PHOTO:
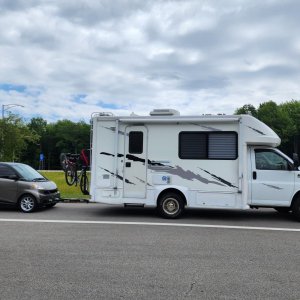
(27, 203)
(170, 206)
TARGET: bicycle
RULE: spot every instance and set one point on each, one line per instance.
(69, 163)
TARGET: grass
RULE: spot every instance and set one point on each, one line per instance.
(66, 191)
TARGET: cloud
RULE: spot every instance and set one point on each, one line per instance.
(72, 58)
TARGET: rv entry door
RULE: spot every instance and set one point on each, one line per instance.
(135, 162)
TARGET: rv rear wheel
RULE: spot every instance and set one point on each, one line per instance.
(170, 206)
(296, 208)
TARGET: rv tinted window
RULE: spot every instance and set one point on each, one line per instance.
(208, 145)
(192, 145)
(135, 142)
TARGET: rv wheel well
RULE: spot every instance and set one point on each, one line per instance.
(296, 196)
(164, 192)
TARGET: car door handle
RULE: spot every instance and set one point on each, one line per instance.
(128, 164)
(254, 175)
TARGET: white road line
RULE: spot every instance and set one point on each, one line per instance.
(152, 224)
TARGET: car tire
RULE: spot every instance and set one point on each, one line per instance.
(170, 206)
(27, 203)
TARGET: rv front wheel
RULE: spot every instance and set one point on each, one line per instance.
(170, 206)
(296, 208)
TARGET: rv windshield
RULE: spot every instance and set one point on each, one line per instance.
(27, 173)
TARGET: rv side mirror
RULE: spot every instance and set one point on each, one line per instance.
(296, 160)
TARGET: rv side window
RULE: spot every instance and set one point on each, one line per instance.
(222, 145)
(135, 142)
(192, 145)
(208, 145)
(270, 160)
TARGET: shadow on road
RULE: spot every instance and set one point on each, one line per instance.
(191, 215)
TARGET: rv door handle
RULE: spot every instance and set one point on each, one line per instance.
(254, 175)
(128, 164)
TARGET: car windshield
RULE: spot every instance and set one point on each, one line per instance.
(29, 174)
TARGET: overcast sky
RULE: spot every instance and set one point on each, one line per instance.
(66, 59)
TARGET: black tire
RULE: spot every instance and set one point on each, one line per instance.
(170, 206)
(70, 175)
(84, 184)
(63, 161)
(296, 208)
(283, 210)
(27, 203)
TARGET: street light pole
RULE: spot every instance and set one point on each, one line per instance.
(7, 106)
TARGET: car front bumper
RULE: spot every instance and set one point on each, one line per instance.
(49, 199)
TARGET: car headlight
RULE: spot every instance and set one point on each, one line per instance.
(36, 186)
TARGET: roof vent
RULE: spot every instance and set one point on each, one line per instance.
(164, 112)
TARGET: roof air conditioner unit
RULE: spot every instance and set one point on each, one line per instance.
(164, 112)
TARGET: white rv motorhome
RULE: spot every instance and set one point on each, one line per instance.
(171, 162)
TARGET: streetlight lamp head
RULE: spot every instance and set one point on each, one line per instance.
(7, 106)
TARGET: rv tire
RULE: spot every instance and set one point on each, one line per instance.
(296, 208)
(170, 206)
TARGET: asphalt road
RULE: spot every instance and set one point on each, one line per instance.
(47, 255)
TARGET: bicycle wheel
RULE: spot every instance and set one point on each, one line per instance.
(63, 161)
(70, 175)
(84, 184)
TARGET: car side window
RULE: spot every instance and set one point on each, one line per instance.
(5, 172)
(270, 160)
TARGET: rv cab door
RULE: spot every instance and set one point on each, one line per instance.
(135, 162)
(271, 179)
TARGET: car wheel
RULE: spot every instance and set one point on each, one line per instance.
(170, 206)
(27, 203)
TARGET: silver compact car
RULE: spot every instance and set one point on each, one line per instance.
(23, 186)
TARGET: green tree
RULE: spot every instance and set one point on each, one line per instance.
(292, 109)
(39, 127)
(277, 118)
(64, 136)
(15, 136)
(247, 109)
(284, 119)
